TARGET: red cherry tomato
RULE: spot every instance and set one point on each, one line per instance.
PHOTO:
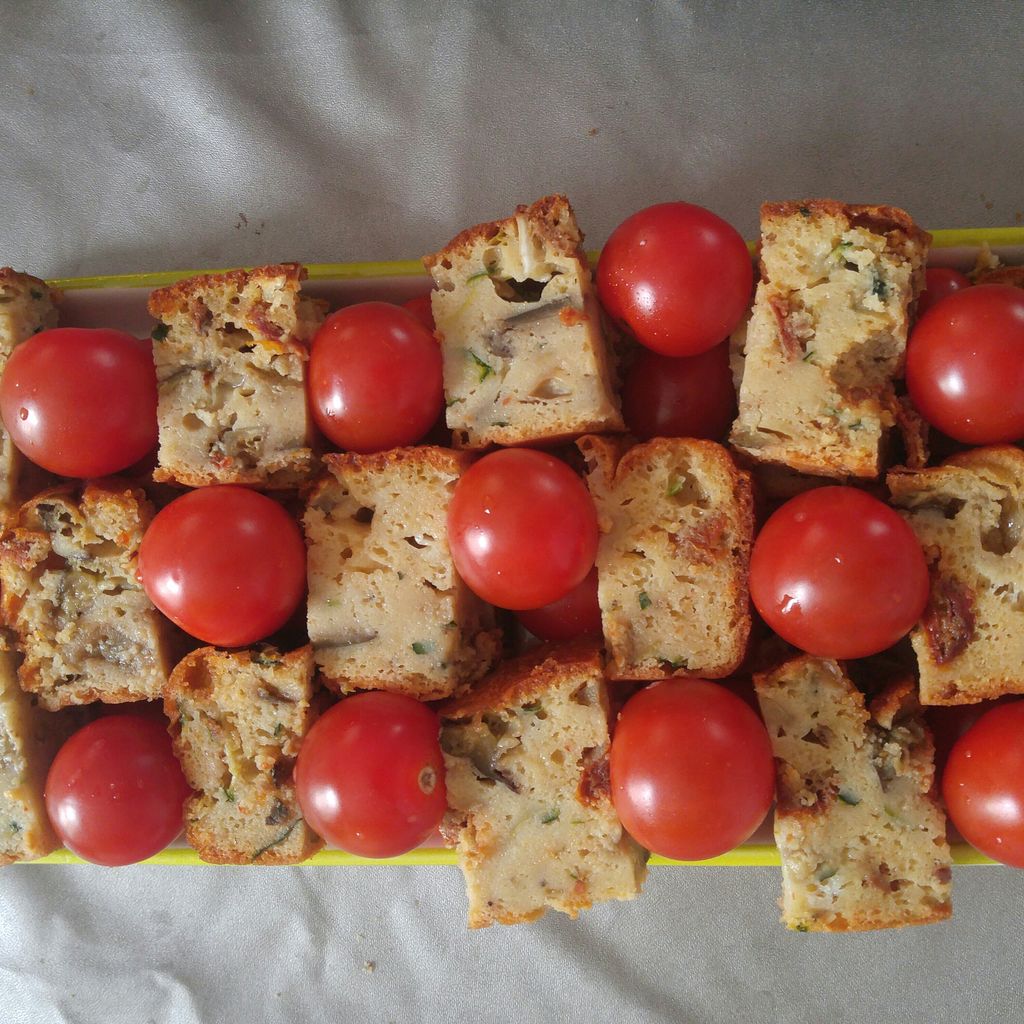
(374, 377)
(939, 282)
(115, 790)
(421, 308)
(692, 772)
(370, 775)
(984, 784)
(227, 564)
(839, 574)
(81, 401)
(949, 722)
(575, 615)
(965, 365)
(522, 529)
(677, 276)
(692, 396)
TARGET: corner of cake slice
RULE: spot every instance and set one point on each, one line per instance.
(827, 336)
(387, 609)
(231, 352)
(676, 519)
(70, 591)
(525, 359)
(27, 306)
(859, 827)
(530, 811)
(967, 514)
(237, 720)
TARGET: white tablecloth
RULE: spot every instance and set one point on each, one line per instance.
(147, 136)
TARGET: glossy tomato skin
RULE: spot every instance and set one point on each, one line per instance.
(374, 378)
(838, 574)
(965, 365)
(81, 401)
(370, 775)
(522, 529)
(578, 614)
(677, 276)
(421, 308)
(939, 283)
(983, 784)
(692, 772)
(227, 564)
(691, 396)
(115, 790)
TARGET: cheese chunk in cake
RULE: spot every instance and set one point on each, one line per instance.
(231, 353)
(238, 719)
(676, 519)
(27, 306)
(968, 515)
(526, 769)
(68, 568)
(827, 336)
(525, 358)
(387, 610)
(860, 830)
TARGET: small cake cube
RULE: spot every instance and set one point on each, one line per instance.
(525, 359)
(387, 610)
(530, 812)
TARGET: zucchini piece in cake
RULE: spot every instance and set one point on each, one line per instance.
(827, 336)
(29, 739)
(677, 522)
(968, 515)
(27, 306)
(530, 812)
(231, 352)
(68, 569)
(525, 358)
(387, 610)
(237, 720)
(858, 824)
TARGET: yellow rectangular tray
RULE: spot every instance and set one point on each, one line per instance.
(399, 279)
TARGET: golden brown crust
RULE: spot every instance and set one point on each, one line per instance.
(170, 300)
(1001, 275)
(890, 221)
(547, 215)
(529, 675)
(8, 275)
(293, 476)
(444, 460)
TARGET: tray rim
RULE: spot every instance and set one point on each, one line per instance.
(945, 238)
(752, 855)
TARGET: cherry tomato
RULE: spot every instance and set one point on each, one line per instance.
(677, 276)
(983, 784)
(575, 615)
(949, 722)
(692, 772)
(421, 308)
(691, 396)
(227, 564)
(81, 401)
(839, 574)
(374, 377)
(522, 529)
(939, 282)
(115, 790)
(965, 365)
(370, 775)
